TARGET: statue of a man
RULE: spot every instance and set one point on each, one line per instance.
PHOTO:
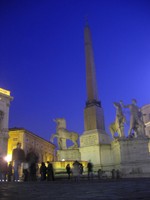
(136, 120)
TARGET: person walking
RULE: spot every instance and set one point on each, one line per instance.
(18, 156)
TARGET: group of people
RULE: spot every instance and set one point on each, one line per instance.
(29, 163)
(10, 172)
(115, 174)
(77, 170)
(5, 170)
(47, 172)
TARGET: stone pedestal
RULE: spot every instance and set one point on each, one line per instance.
(95, 146)
(68, 154)
(115, 151)
(135, 156)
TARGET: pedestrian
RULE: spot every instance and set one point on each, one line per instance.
(100, 173)
(32, 159)
(113, 172)
(3, 169)
(50, 172)
(68, 170)
(76, 171)
(118, 175)
(43, 171)
(10, 172)
(18, 156)
(26, 171)
(81, 168)
(90, 170)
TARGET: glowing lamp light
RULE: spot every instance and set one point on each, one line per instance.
(63, 159)
(8, 158)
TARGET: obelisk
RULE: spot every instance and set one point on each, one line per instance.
(94, 142)
(93, 112)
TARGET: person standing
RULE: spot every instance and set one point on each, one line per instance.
(18, 156)
(3, 169)
(90, 170)
(32, 160)
(76, 171)
(25, 171)
(43, 170)
(50, 172)
(68, 170)
(10, 172)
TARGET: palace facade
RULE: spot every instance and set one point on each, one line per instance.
(44, 149)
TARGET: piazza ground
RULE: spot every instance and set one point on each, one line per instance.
(63, 189)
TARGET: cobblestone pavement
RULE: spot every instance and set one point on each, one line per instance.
(71, 190)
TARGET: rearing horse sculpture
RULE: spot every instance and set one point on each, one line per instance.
(118, 125)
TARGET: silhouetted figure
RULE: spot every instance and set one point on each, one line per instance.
(90, 170)
(113, 172)
(100, 173)
(26, 171)
(10, 172)
(68, 170)
(3, 169)
(43, 170)
(32, 159)
(50, 172)
(118, 176)
(81, 168)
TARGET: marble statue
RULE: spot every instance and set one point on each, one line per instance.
(118, 125)
(63, 134)
(136, 119)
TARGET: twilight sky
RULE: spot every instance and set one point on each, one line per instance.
(42, 59)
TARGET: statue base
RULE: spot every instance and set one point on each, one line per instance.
(135, 157)
(68, 154)
(95, 145)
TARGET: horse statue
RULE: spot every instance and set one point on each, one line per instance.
(63, 134)
(118, 125)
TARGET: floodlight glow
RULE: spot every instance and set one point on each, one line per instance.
(8, 158)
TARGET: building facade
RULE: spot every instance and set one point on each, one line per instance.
(45, 150)
(5, 100)
(146, 118)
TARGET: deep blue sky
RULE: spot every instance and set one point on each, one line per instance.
(42, 59)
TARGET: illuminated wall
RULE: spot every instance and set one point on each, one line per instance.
(5, 99)
(44, 149)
